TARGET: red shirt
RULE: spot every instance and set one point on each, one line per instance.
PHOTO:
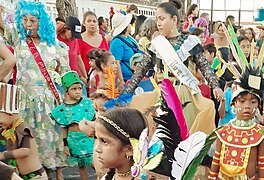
(74, 51)
(205, 90)
(85, 48)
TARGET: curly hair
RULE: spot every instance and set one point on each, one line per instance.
(46, 29)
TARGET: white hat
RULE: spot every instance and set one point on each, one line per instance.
(9, 98)
(120, 22)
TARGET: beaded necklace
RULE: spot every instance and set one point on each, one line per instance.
(244, 123)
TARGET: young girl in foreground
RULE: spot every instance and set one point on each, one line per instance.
(114, 151)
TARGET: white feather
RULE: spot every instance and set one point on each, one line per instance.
(186, 151)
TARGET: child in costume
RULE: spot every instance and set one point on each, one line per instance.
(105, 62)
(74, 109)
(20, 138)
(113, 148)
(240, 143)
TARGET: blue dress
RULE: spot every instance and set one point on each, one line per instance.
(80, 146)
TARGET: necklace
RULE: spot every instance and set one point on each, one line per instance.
(125, 174)
(244, 123)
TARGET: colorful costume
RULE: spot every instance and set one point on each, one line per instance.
(19, 135)
(80, 146)
(236, 144)
(38, 100)
(240, 139)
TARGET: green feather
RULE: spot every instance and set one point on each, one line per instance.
(235, 41)
(192, 168)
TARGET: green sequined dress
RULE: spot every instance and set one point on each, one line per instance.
(80, 146)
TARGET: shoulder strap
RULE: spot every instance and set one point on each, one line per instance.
(133, 47)
(42, 68)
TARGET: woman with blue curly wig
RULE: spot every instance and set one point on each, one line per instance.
(37, 72)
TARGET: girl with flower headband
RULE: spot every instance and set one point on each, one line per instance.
(40, 62)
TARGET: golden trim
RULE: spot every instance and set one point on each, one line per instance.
(119, 129)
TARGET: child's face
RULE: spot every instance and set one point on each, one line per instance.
(5, 120)
(92, 64)
(202, 38)
(245, 46)
(246, 106)
(256, 53)
(202, 27)
(75, 91)
(99, 104)
(110, 152)
(209, 56)
(111, 63)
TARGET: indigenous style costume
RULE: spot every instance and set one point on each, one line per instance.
(19, 135)
(80, 146)
(37, 76)
(240, 136)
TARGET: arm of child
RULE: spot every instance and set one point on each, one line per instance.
(222, 109)
(216, 162)
(65, 142)
(87, 127)
(261, 161)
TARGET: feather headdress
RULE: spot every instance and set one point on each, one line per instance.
(251, 81)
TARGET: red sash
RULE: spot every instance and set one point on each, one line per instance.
(43, 68)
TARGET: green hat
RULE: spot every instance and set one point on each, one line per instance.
(135, 58)
(69, 79)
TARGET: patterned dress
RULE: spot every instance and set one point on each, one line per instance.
(80, 146)
(37, 99)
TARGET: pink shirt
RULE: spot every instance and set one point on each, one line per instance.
(74, 51)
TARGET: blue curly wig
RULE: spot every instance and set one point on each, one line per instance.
(46, 30)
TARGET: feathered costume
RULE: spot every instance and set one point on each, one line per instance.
(240, 145)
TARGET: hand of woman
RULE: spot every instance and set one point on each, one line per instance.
(218, 94)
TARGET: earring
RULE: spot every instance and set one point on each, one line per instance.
(234, 110)
(128, 157)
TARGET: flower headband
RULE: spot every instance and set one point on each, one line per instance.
(119, 129)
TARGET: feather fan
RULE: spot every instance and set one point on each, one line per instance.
(192, 168)
(174, 104)
(186, 151)
(169, 132)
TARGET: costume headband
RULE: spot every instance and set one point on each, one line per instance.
(9, 98)
(119, 129)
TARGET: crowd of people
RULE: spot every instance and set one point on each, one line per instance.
(123, 93)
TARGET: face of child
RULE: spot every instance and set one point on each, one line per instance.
(246, 106)
(5, 119)
(75, 91)
(99, 104)
(209, 56)
(202, 27)
(245, 46)
(111, 63)
(256, 53)
(92, 64)
(202, 38)
(165, 22)
(110, 152)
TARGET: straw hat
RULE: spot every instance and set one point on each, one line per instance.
(261, 26)
(120, 22)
